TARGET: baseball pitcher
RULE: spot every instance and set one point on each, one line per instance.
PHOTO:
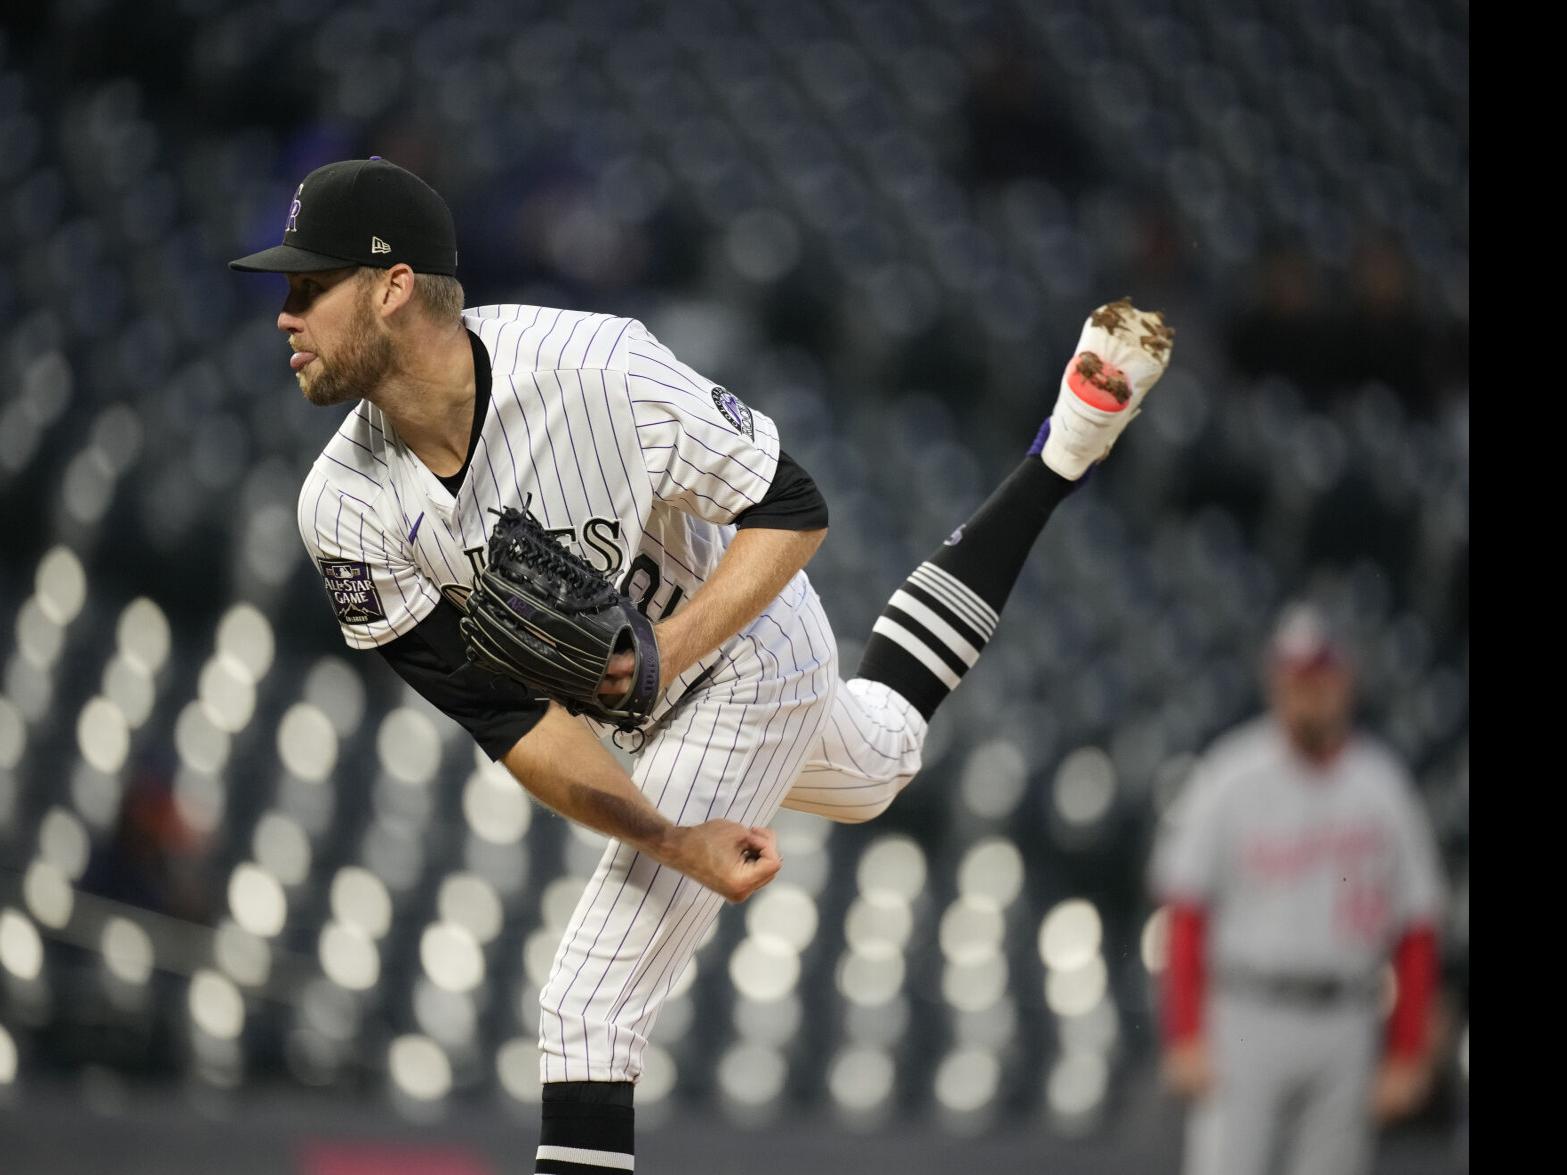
(498, 466)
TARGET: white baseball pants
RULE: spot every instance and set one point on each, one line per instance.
(775, 727)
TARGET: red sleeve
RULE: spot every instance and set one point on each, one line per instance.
(1415, 965)
(1186, 973)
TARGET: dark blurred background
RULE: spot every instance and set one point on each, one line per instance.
(261, 909)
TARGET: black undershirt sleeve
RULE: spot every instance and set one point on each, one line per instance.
(495, 710)
(792, 502)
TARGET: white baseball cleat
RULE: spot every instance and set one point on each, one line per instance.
(1120, 355)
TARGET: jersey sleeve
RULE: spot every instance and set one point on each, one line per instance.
(1186, 972)
(1417, 897)
(706, 452)
(372, 584)
(1189, 853)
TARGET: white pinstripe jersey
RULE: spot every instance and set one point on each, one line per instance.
(635, 461)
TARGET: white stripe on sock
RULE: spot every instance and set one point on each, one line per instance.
(960, 609)
(962, 589)
(577, 1154)
(916, 648)
(938, 627)
(958, 596)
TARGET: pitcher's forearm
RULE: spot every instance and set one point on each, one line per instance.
(757, 566)
(565, 768)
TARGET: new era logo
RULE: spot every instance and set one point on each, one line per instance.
(377, 245)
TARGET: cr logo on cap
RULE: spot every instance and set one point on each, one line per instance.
(293, 212)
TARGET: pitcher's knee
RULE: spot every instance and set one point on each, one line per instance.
(861, 815)
(845, 805)
(870, 810)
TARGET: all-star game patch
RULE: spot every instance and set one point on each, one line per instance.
(735, 412)
(353, 593)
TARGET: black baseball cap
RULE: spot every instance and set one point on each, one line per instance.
(362, 212)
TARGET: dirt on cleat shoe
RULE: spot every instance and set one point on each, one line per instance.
(1120, 355)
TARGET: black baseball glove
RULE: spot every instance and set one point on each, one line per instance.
(542, 616)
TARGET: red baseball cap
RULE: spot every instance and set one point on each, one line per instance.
(1305, 640)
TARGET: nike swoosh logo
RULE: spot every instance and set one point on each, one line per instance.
(412, 533)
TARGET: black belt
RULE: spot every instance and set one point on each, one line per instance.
(1307, 990)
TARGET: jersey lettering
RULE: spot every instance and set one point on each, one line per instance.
(457, 593)
(598, 535)
(643, 592)
(1363, 911)
(643, 563)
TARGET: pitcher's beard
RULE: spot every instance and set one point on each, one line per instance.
(358, 366)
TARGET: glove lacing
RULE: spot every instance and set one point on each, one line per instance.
(585, 587)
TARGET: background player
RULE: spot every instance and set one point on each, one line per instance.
(683, 495)
(1296, 865)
